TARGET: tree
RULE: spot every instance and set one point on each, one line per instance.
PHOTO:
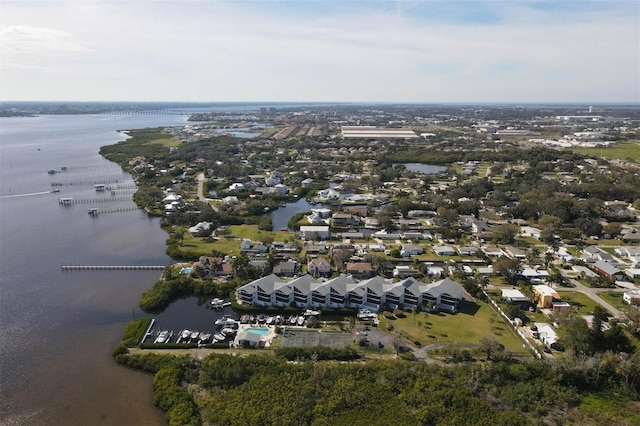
(490, 346)
(575, 335)
(266, 239)
(505, 234)
(509, 268)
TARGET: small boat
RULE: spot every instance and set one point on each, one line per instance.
(55, 190)
(185, 334)
(194, 334)
(262, 318)
(163, 336)
(217, 303)
(300, 320)
(278, 319)
(220, 337)
(293, 319)
(244, 319)
(228, 331)
(252, 319)
(204, 337)
(269, 320)
(222, 320)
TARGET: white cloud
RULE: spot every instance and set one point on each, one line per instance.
(237, 51)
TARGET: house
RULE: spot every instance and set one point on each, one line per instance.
(280, 189)
(230, 200)
(608, 270)
(287, 268)
(201, 229)
(530, 231)
(328, 195)
(411, 250)
(492, 251)
(360, 270)
(545, 295)
(467, 251)
(627, 251)
(316, 249)
(584, 271)
(547, 334)
(632, 297)
(360, 211)
(404, 271)
(314, 232)
(535, 276)
(514, 296)
(344, 220)
(306, 183)
(515, 252)
(633, 273)
(248, 246)
(319, 267)
(633, 237)
(444, 251)
(273, 179)
(236, 186)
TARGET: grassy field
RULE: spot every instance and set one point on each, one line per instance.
(469, 325)
(230, 244)
(615, 298)
(623, 151)
(580, 302)
(164, 142)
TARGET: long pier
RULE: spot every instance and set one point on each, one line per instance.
(96, 211)
(70, 267)
(69, 200)
(88, 182)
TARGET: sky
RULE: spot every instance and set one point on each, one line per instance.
(421, 51)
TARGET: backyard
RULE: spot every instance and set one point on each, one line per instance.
(469, 325)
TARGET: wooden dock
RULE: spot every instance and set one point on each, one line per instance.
(70, 267)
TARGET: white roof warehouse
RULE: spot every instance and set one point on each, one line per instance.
(376, 132)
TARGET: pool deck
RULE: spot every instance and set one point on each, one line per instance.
(265, 339)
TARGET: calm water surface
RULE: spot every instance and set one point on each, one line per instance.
(58, 327)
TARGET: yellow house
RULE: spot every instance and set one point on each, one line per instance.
(545, 295)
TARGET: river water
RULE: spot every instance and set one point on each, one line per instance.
(58, 327)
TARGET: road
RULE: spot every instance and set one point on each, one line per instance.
(592, 293)
(201, 196)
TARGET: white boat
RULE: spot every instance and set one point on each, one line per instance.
(195, 334)
(269, 320)
(278, 319)
(219, 336)
(300, 320)
(228, 330)
(222, 320)
(217, 303)
(163, 336)
(293, 319)
(184, 335)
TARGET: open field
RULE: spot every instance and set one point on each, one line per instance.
(469, 325)
(164, 142)
(229, 244)
(623, 151)
(580, 302)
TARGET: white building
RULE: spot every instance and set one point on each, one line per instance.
(345, 291)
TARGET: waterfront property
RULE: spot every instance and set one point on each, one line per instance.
(347, 292)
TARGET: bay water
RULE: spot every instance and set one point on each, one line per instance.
(58, 327)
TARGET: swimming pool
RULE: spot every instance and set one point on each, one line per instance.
(262, 331)
(185, 271)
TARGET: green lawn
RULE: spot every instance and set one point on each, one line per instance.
(615, 298)
(582, 303)
(229, 244)
(623, 150)
(164, 142)
(467, 326)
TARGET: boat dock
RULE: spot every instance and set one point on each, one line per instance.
(68, 201)
(70, 267)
